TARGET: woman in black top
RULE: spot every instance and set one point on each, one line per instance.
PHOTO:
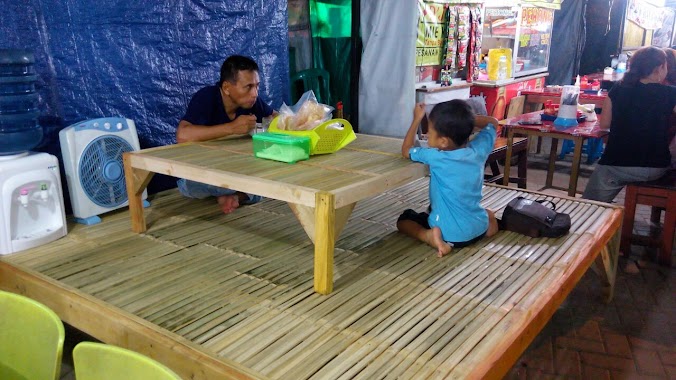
(637, 112)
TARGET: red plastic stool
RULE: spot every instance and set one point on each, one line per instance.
(660, 195)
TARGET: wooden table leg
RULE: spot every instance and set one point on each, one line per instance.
(522, 167)
(552, 163)
(508, 157)
(136, 180)
(575, 169)
(606, 265)
(666, 244)
(325, 213)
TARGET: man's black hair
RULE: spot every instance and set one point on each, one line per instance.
(233, 65)
(453, 119)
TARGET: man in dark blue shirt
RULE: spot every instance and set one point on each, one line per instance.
(231, 107)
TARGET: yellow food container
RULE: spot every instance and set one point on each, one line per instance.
(494, 62)
(328, 137)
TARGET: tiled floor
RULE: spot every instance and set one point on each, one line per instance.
(633, 337)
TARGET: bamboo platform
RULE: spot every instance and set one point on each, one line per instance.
(217, 296)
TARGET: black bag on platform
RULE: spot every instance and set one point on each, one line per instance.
(532, 218)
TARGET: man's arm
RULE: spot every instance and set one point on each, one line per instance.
(409, 140)
(481, 121)
(187, 131)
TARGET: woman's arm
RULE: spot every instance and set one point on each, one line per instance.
(606, 113)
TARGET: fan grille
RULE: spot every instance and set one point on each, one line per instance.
(101, 171)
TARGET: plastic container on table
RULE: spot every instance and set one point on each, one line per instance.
(328, 137)
(281, 147)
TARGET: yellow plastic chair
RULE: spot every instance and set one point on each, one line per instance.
(316, 80)
(99, 361)
(31, 339)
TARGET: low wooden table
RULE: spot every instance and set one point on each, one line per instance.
(578, 134)
(534, 97)
(321, 191)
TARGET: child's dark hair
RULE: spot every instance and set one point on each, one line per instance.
(233, 65)
(453, 119)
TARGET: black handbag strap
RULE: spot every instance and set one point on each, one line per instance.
(543, 201)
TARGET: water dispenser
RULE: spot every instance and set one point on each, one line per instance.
(19, 128)
(31, 197)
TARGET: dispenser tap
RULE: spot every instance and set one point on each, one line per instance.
(23, 197)
(44, 193)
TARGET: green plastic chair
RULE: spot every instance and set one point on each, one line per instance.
(31, 339)
(316, 80)
(99, 361)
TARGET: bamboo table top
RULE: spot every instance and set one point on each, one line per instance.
(216, 296)
(366, 167)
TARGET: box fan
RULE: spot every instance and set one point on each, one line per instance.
(92, 158)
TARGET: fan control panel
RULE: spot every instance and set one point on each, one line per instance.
(105, 124)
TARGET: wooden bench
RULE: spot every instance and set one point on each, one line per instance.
(660, 195)
(217, 296)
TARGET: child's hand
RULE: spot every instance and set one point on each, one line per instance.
(419, 111)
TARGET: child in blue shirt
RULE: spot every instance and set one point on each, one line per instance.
(456, 218)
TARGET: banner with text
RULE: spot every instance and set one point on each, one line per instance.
(430, 41)
(647, 16)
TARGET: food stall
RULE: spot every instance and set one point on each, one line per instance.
(524, 30)
(448, 49)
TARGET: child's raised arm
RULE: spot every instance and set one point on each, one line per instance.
(409, 140)
(481, 121)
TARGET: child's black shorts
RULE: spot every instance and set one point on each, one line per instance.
(421, 218)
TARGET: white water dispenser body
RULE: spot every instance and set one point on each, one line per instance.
(31, 202)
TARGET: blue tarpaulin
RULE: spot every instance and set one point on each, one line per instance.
(141, 60)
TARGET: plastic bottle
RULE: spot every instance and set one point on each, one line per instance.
(19, 128)
(502, 67)
(339, 110)
(622, 63)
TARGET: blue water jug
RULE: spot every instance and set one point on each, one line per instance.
(19, 128)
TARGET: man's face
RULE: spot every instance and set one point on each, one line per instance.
(244, 92)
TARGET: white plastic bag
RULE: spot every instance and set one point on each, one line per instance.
(305, 115)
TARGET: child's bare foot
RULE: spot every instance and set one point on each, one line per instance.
(228, 203)
(492, 224)
(433, 237)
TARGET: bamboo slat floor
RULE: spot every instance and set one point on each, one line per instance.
(231, 296)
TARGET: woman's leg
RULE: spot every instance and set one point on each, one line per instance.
(607, 181)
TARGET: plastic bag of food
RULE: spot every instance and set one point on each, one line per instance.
(305, 115)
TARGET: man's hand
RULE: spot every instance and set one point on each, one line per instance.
(243, 124)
